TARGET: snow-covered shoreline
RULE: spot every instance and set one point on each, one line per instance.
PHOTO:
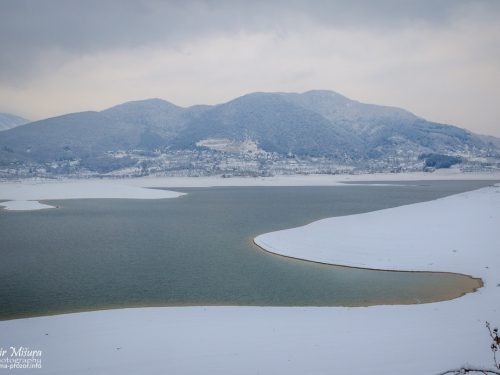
(416, 240)
(26, 195)
(22, 205)
(22, 196)
(410, 339)
(306, 180)
(278, 180)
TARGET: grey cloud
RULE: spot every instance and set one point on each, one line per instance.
(42, 35)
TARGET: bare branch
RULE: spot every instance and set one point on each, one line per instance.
(470, 369)
(495, 346)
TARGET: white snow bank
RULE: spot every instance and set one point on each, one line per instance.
(390, 340)
(54, 190)
(24, 205)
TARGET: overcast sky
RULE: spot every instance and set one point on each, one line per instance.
(437, 59)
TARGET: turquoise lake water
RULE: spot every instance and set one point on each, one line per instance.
(197, 250)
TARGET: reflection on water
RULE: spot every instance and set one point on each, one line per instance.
(198, 250)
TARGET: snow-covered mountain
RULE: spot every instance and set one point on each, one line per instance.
(315, 124)
(8, 121)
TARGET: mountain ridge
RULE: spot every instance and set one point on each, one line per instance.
(314, 124)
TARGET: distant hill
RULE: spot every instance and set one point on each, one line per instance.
(275, 124)
(313, 124)
(8, 121)
(90, 134)
(386, 129)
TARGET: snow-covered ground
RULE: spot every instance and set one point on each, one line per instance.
(456, 234)
(304, 180)
(24, 195)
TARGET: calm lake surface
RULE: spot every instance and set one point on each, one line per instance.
(198, 250)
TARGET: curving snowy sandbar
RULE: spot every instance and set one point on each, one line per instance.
(453, 234)
(389, 340)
